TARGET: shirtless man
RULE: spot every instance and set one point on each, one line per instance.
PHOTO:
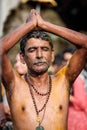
(33, 100)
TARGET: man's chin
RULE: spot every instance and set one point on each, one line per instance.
(40, 71)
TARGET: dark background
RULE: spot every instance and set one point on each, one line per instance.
(73, 13)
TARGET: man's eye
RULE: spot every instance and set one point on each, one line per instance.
(31, 49)
(45, 48)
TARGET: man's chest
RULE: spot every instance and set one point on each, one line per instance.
(22, 100)
(23, 107)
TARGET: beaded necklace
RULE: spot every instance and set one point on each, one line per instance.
(31, 86)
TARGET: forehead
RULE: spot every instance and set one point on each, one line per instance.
(35, 42)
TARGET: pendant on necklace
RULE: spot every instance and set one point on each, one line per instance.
(38, 119)
(39, 128)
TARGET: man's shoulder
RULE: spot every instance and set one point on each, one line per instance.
(62, 71)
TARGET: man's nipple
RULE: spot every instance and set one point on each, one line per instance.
(23, 108)
(60, 107)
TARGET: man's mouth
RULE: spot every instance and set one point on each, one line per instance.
(40, 63)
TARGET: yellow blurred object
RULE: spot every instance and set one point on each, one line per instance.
(3, 90)
(52, 2)
(24, 1)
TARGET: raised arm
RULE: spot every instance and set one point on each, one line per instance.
(13, 37)
(8, 41)
(75, 37)
(78, 60)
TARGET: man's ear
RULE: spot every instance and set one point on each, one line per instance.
(22, 58)
(52, 56)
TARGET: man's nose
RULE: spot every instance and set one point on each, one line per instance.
(39, 53)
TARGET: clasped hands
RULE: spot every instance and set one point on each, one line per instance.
(35, 18)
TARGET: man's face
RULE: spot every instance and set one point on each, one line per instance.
(38, 55)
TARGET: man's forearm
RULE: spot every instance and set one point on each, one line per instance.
(12, 38)
(68, 34)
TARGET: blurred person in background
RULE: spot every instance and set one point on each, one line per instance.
(57, 64)
(77, 116)
(2, 112)
(19, 66)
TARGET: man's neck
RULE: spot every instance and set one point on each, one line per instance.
(40, 80)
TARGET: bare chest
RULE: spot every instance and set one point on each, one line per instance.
(23, 108)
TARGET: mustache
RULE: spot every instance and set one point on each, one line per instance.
(40, 61)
